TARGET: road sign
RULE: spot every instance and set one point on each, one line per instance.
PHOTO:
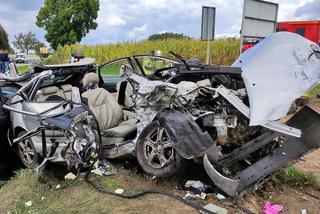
(259, 19)
(44, 50)
(207, 27)
(208, 23)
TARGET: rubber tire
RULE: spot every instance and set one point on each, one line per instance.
(176, 166)
(35, 163)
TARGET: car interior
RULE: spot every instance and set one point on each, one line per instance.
(116, 124)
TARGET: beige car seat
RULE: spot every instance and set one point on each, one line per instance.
(44, 93)
(107, 111)
(67, 91)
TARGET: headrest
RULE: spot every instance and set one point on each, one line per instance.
(49, 90)
(66, 87)
(90, 79)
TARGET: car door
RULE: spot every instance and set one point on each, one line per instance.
(110, 73)
(148, 64)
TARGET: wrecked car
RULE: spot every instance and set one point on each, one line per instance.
(42, 108)
(167, 111)
(230, 119)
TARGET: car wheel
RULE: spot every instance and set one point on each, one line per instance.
(27, 152)
(156, 154)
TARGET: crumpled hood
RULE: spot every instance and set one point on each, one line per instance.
(278, 70)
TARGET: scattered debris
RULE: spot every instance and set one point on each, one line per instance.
(203, 196)
(303, 211)
(191, 195)
(196, 187)
(104, 167)
(70, 176)
(58, 186)
(215, 209)
(28, 203)
(97, 172)
(119, 191)
(220, 196)
(269, 208)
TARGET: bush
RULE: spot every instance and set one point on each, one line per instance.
(164, 36)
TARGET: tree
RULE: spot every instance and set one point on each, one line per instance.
(25, 42)
(168, 35)
(37, 47)
(4, 41)
(67, 21)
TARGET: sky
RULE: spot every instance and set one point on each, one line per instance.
(122, 20)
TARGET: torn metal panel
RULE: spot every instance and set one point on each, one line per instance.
(188, 137)
(276, 71)
(291, 150)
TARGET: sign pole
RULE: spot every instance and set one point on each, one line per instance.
(208, 37)
(207, 28)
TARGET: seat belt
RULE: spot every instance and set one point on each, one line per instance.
(122, 92)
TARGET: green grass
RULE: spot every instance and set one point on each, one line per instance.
(313, 93)
(80, 197)
(23, 69)
(293, 177)
(111, 184)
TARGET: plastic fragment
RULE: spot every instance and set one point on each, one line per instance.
(269, 208)
(28, 203)
(220, 196)
(203, 196)
(70, 176)
(119, 191)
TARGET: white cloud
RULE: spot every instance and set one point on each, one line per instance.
(137, 31)
(137, 19)
(113, 20)
(143, 28)
(154, 4)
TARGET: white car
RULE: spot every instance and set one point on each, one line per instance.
(21, 58)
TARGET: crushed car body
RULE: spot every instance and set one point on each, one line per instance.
(167, 111)
(40, 113)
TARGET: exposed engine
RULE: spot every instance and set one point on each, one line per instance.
(82, 146)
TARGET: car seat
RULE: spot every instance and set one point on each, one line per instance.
(51, 92)
(114, 123)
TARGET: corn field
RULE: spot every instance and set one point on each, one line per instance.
(223, 51)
